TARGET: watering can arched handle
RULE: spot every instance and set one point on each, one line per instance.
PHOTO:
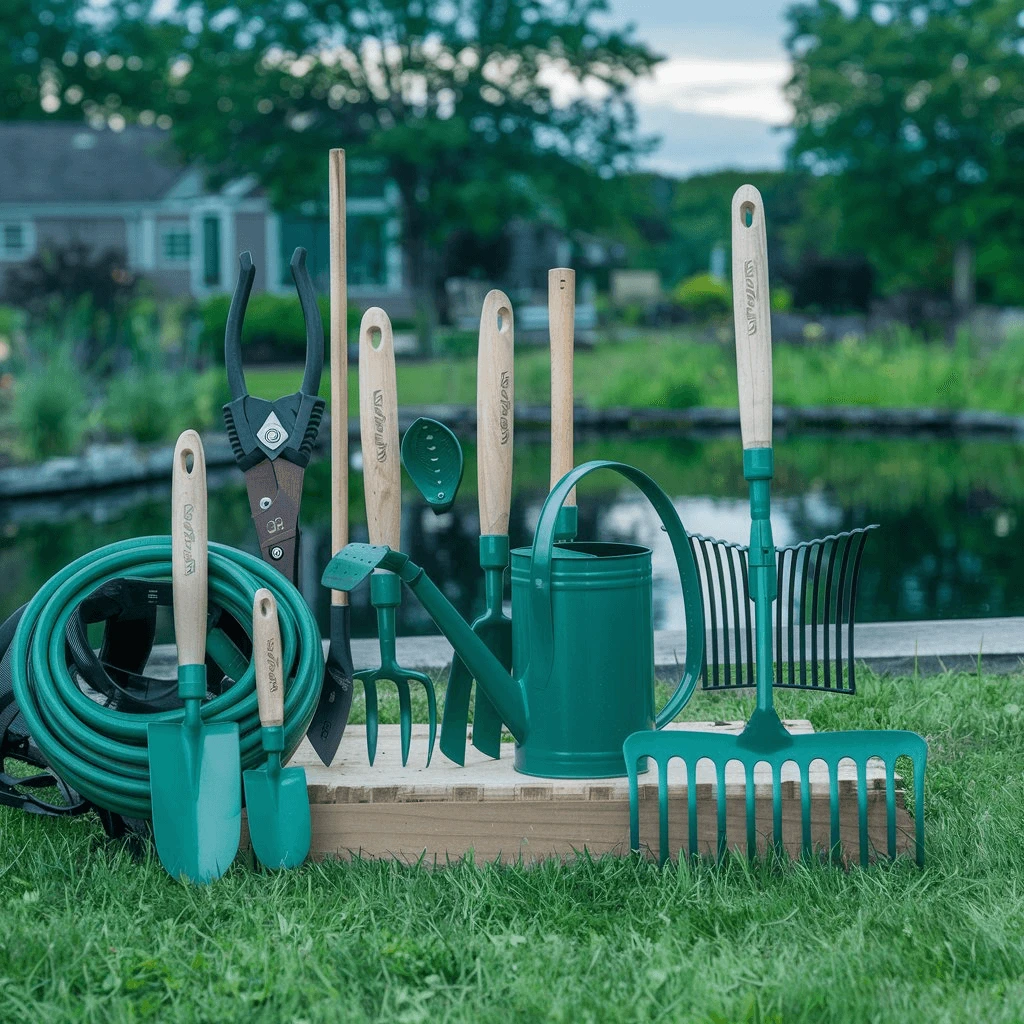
(542, 624)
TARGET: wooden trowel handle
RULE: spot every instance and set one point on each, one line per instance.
(494, 405)
(562, 322)
(752, 317)
(266, 652)
(339, 360)
(378, 429)
(188, 548)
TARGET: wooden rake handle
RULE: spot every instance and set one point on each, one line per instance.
(752, 317)
(339, 359)
(562, 322)
(494, 412)
(266, 651)
(378, 429)
(189, 569)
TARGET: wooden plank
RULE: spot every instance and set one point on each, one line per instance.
(445, 812)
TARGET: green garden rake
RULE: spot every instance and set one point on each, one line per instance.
(765, 741)
(382, 484)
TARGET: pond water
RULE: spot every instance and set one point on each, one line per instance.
(951, 543)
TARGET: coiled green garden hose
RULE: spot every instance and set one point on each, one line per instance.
(102, 752)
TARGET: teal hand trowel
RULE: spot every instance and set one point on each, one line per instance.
(276, 800)
(194, 767)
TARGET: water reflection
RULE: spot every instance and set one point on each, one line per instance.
(950, 543)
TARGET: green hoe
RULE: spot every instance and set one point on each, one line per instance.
(276, 800)
(194, 766)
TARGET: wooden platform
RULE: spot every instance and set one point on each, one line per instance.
(445, 812)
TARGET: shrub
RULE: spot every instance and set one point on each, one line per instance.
(703, 296)
(139, 406)
(50, 409)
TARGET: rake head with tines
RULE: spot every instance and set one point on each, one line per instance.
(765, 746)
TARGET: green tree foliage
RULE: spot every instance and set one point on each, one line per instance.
(913, 112)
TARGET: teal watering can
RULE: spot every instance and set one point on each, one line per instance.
(583, 636)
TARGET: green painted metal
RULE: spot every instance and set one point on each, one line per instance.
(583, 649)
(433, 459)
(386, 596)
(195, 783)
(494, 628)
(277, 806)
(765, 740)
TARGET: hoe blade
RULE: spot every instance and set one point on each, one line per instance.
(277, 804)
(196, 793)
(811, 761)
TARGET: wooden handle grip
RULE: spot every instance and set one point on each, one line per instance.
(562, 322)
(266, 652)
(339, 359)
(378, 429)
(751, 306)
(189, 548)
(494, 405)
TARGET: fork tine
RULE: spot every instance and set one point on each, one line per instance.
(890, 807)
(370, 690)
(862, 810)
(805, 810)
(777, 808)
(663, 850)
(919, 770)
(634, 803)
(722, 837)
(751, 801)
(691, 807)
(833, 808)
(404, 716)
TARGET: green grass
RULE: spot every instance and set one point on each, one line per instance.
(668, 370)
(88, 934)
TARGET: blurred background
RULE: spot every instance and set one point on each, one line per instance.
(144, 143)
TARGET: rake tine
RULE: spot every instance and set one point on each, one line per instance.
(751, 812)
(722, 837)
(663, 850)
(919, 805)
(691, 808)
(833, 809)
(862, 811)
(890, 808)
(777, 808)
(853, 609)
(805, 810)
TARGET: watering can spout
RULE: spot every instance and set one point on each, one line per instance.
(355, 562)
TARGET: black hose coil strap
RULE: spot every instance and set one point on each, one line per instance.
(101, 752)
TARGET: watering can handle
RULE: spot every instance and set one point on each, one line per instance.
(542, 625)
(752, 317)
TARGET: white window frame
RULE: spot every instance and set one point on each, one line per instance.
(176, 228)
(28, 239)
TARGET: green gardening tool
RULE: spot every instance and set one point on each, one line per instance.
(432, 457)
(194, 766)
(494, 427)
(276, 800)
(765, 740)
(382, 485)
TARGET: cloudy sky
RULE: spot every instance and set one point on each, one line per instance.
(717, 98)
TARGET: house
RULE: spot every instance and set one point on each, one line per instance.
(62, 182)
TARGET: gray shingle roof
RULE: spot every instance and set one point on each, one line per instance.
(62, 162)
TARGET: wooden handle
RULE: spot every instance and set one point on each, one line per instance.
(494, 415)
(562, 322)
(188, 548)
(266, 652)
(339, 360)
(751, 308)
(378, 429)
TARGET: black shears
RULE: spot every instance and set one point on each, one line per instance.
(273, 441)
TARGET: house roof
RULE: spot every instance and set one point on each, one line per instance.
(69, 162)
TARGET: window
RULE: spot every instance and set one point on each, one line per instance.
(211, 251)
(17, 239)
(176, 244)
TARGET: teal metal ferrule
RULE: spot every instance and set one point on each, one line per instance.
(566, 523)
(494, 551)
(192, 682)
(273, 738)
(385, 590)
(758, 464)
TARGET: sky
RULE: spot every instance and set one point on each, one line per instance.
(716, 100)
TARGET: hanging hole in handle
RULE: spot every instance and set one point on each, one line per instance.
(504, 319)
(188, 461)
(376, 338)
(266, 609)
(747, 214)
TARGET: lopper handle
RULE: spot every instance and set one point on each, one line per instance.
(562, 322)
(339, 359)
(752, 317)
(189, 548)
(266, 652)
(378, 429)
(494, 412)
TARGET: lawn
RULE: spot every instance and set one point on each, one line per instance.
(671, 371)
(88, 934)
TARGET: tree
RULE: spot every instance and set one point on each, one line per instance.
(481, 110)
(914, 109)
